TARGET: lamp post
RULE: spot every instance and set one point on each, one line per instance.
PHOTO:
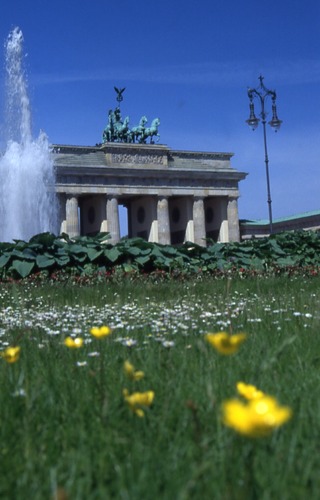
(262, 93)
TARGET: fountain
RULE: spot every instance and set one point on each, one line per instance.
(28, 204)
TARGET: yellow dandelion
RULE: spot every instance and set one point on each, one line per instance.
(225, 343)
(11, 354)
(131, 372)
(100, 332)
(138, 400)
(249, 391)
(73, 343)
(256, 417)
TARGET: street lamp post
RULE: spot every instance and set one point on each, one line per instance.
(262, 93)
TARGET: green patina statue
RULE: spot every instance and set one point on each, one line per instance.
(117, 130)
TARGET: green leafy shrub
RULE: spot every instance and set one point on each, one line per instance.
(84, 255)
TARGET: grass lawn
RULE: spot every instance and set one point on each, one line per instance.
(66, 431)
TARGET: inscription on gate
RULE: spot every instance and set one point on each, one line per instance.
(138, 159)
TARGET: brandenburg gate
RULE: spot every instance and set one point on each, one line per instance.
(171, 196)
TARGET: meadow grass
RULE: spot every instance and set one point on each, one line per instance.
(66, 431)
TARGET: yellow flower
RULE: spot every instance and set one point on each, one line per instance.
(73, 343)
(11, 354)
(249, 391)
(225, 343)
(103, 331)
(256, 417)
(131, 372)
(136, 400)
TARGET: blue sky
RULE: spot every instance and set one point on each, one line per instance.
(188, 63)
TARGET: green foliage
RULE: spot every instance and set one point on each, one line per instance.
(45, 252)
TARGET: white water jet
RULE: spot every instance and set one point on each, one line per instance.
(28, 203)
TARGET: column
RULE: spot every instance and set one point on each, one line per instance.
(189, 235)
(163, 221)
(62, 218)
(72, 216)
(152, 207)
(113, 225)
(199, 222)
(233, 219)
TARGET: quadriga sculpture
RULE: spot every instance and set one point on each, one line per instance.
(119, 131)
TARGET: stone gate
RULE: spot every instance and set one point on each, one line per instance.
(171, 196)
